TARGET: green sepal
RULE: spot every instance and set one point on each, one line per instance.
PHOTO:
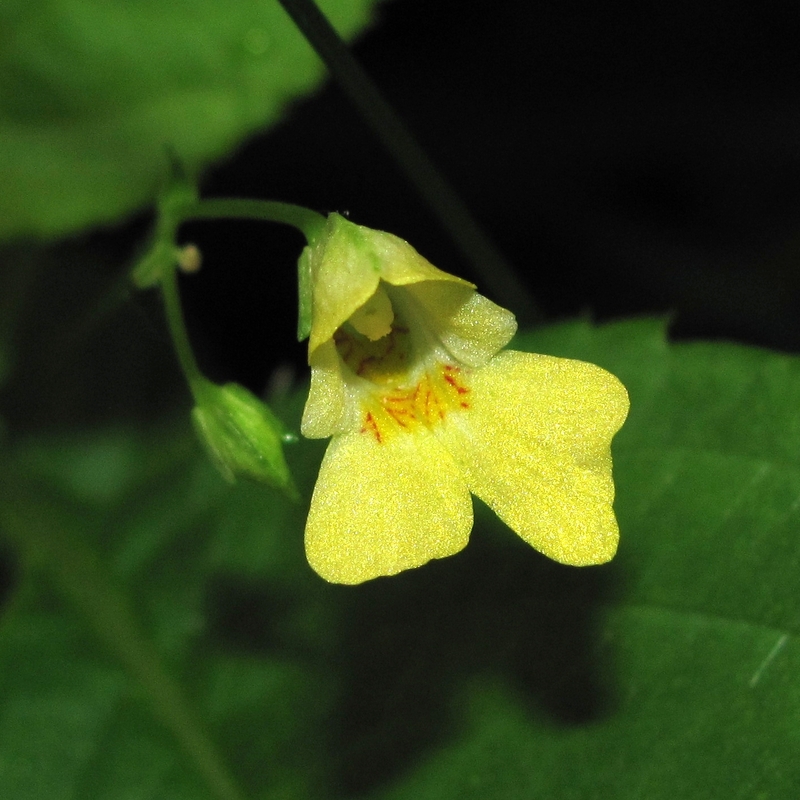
(304, 294)
(242, 436)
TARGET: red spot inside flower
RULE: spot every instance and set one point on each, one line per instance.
(364, 363)
(372, 426)
(397, 416)
(427, 403)
(344, 344)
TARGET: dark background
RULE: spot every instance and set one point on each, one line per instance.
(626, 160)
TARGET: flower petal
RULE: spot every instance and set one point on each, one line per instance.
(470, 326)
(535, 447)
(347, 263)
(326, 409)
(382, 507)
(344, 276)
(402, 265)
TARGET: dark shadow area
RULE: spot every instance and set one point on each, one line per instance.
(245, 615)
(412, 640)
(86, 346)
(405, 646)
(625, 160)
(249, 267)
(9, 574)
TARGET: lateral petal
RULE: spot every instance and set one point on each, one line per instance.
(327, 410)
(535, 447)
(383, 507)
(471, 327)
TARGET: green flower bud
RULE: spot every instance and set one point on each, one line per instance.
(243, 437)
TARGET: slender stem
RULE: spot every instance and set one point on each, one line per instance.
(434, 188)
(309, 222)
(306, 220)
(177, 328)
(50, 534)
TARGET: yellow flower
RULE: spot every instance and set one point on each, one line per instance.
(409, 377)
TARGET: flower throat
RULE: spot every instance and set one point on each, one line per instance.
(405, 390)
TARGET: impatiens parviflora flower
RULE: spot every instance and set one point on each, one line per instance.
(409, 377)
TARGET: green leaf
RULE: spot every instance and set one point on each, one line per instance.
(68, 723)
(671, 672)
(697, 644)
(692, 718)
(114, 681)
(95, 96)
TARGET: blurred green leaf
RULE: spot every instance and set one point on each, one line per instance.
(69, 724)
(118, 551)
(670, 673)
(699, 641)
(688, 721)
(93, 97)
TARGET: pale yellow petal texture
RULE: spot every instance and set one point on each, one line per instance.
(402, 265)
(348, 262)
(380, 508)
(326, 412)
(344, 276)
(535, 447)
(471, 328)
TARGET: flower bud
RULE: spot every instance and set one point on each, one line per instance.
(242, 436)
